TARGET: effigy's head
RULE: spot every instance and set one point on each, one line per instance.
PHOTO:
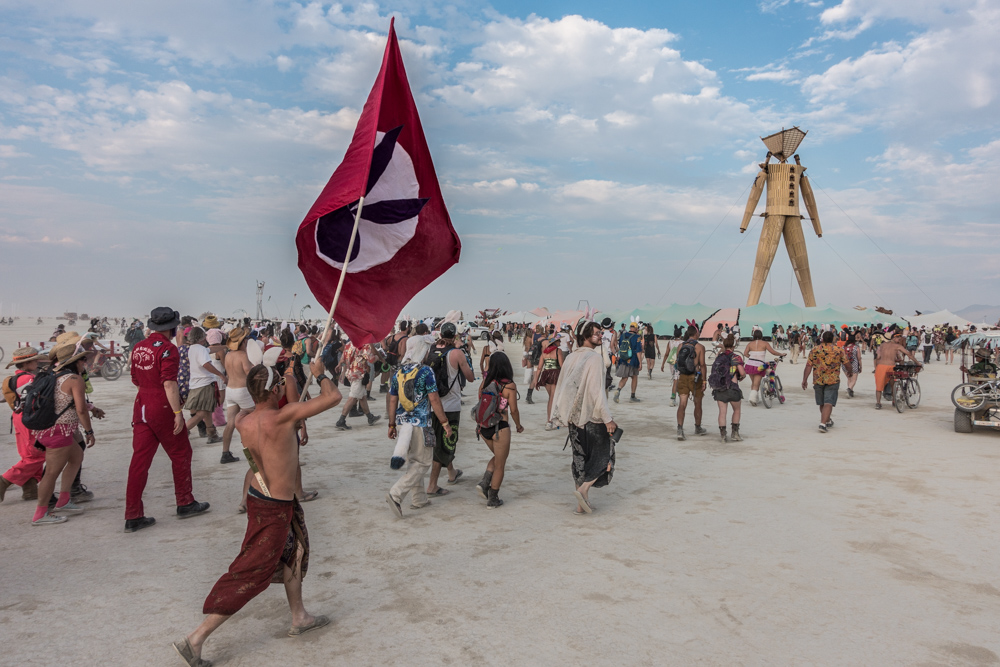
(783, 144)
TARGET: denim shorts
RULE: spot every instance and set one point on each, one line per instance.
(826, 394)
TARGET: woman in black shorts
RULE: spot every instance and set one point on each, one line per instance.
(650, 349)
(498, 437)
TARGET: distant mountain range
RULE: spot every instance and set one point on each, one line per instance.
(980, 313)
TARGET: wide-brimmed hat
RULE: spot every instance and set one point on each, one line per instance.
(23, 355)
(236, 337)
(210, 322)
(67, 337)
(64, 355)
(163, 319)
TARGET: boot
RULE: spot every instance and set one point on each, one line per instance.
(753, 397)
(736, 433)
(4, 485)
(618, 394)
(342, 424)
(30, 490)
(698, 430)
(680, 433)
(202, 430)
(722, 433)
(355, 411)
(528, 399)
(494, 500)
(484, 484)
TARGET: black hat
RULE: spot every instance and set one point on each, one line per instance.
(607, 323)
(163, 319)
(448, 330)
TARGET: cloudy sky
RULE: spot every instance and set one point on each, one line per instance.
(165, 153)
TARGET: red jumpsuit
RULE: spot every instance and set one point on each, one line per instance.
(32, 459)
(154, 361)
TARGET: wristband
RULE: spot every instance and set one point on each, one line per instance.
(177, 412)
(91, 432)
(321, 377)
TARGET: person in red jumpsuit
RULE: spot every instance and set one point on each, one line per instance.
(26, 472)
(157, 420)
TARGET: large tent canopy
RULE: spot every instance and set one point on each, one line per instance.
(940, 317)
(663, 319)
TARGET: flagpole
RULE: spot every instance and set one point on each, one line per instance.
(336, 295)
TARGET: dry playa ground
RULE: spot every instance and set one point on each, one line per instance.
(873, 544)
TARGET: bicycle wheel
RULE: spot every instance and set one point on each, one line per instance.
(968, 397)
(766, 394)
(111, 370)
(898, 395)
(1, 354)
(912, 393)
(777, 383)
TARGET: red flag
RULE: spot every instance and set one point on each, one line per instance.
(405, 239)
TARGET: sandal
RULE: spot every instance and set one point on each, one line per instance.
(458, 475)
(186, 653)
(440, 492)
(318, 622)
(312, 495)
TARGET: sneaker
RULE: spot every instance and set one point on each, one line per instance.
(549, 426)
(369, 396)
(680, 433)
(373, 418)
(49, 519)
(383, 389)
(617, 395)
(829, 423)
(822, 428)
(69, 508)
(132, 525)
(79, 494)
(191, 509)
(342, 424)
(214, 439)
(227, 457)
(699, 430)
(850, 393)
(634, 400)
(673, 402)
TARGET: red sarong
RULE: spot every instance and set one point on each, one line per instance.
(275, 531)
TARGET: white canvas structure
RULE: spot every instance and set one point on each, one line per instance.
(940, 317)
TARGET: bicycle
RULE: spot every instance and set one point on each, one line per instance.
(973, 397)
(770, 387)
(905, 386)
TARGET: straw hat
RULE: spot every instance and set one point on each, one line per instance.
(64, 355)
(23, 355)
(68, 337)
(210, 322)
(236, 337)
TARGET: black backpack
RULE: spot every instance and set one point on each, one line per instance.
(686, 358)
(437, 360)
(38, 405)
(720, 378)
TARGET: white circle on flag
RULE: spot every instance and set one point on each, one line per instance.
(378, 243)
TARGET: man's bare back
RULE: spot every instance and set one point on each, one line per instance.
(237, 366)
(890, 352)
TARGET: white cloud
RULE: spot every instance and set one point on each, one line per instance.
(284, 63)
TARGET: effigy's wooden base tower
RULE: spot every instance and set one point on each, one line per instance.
(781, 215)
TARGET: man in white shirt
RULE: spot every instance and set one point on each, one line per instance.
(201, 399)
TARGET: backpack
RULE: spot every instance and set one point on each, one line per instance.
(10, 390)
(438, 362)
(133, 336)
(490, 407)
(407, 390)
(38, 405)
(535, 353)
(721, 378)
(686, 357)
(624, 350)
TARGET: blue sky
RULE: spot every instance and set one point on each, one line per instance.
(165, 153)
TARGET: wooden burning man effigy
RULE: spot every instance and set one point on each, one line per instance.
(781, 213)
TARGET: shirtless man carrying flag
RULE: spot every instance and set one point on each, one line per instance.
(274, 515)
